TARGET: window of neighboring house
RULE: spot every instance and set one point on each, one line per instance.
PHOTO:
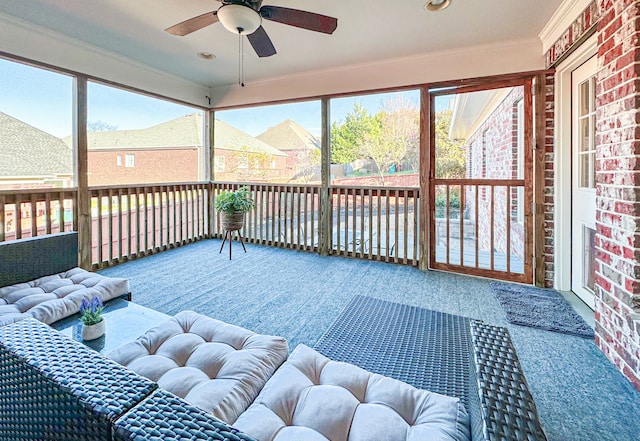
(243, 161)
(129, 160)
(273, 164)
(219, 163)
(119, 161)
(520, 161)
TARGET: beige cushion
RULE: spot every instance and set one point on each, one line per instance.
(55, 297)
(312, 398)
(213, 365)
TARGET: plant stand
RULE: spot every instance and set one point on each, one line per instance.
(229, 234)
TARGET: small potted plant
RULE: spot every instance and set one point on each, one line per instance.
(91, 316)
(232, 206)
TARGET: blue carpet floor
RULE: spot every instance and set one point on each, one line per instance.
(579, 394)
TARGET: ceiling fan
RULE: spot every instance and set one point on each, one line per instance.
(244, 17)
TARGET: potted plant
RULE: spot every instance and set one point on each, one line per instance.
(232, 206)
(91, 316)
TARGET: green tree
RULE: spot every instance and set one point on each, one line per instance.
(450, 153)
(348, 136)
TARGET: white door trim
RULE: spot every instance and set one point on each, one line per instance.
(562, 162)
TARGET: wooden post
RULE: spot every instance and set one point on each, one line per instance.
(81, 168)
(210, 174)
(538, 179)
(424, 210)
(325, 176)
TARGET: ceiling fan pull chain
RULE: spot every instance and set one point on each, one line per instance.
(240, 59)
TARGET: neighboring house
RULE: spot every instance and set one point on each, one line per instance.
(31, 158)
(164, 153)
(301, 147)
(241, 157)
(491, 122)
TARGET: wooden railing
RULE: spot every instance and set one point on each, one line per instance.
(481, 226)
(377, 223)
(135, 221)
(285, 216)
(30, 213)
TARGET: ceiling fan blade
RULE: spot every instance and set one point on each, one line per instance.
(300, 19)
(261, 43)
(193, 24)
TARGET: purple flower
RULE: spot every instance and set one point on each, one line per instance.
(91, 310)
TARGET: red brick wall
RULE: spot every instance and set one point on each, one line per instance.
(151, 166)
(618, 186)
(269, 168)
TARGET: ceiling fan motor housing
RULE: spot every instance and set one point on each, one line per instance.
(240, 19)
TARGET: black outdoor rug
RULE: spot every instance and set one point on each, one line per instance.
(428, 349)
(540, 308)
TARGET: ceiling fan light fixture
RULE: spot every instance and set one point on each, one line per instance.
(239, 19)
(436, 5)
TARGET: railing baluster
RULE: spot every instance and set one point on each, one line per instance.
(477, 223)
(492, 213)
(110, 228)
(120, 227)
(3, 203)
(508, 222)
(405, 210)
(99, 228)
(461, 219)
(47, 213)
(61, 212)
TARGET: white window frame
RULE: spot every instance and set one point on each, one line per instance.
(119, 161)
(129, 160)
(219, 163)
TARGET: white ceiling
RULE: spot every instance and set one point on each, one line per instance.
(368, 31)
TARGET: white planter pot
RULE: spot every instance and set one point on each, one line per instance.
(92, 332)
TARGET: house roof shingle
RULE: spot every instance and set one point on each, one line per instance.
(289, 135)
(26, 151)
(228, 137)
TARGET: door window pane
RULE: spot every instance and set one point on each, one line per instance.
(589, 261)
(586, 134)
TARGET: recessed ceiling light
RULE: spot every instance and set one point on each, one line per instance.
(436, 5)
(206, 55)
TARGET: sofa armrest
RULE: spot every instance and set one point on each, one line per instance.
(507, 406)
(165, 416)
(23, 260)
(52, 387)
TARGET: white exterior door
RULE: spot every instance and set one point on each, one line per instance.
(583, 191)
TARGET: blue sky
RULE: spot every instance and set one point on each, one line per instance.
(43, 99)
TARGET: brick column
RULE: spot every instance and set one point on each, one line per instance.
(618, 186)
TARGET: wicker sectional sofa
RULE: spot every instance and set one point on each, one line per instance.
(196, 378)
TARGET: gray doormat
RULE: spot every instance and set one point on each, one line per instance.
(540, 308)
